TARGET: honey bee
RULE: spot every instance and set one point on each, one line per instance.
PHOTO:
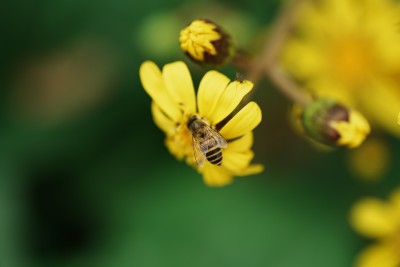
(207, 142)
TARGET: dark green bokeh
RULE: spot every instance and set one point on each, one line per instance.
(100, 189)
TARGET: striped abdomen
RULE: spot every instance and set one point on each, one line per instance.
(214, 155)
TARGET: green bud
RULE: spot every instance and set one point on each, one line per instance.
(333, 124)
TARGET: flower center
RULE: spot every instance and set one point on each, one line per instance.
(183, 138)
(352, 60)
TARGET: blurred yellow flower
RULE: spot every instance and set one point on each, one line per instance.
(374, 151)
(380, 220)
(349, 50)
(205, 42)
(174, 103)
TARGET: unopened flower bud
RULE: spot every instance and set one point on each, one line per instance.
(205, 42)
(333, 124)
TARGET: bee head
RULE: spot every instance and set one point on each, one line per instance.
(193, 123)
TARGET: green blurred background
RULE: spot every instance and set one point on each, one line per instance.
(86, 179)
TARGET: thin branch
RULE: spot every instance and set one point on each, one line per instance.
(266, 63)
(288, 87)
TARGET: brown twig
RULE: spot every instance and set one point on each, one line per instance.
(266, 63)
(288, 87)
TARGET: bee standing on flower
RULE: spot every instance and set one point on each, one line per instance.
(207, 142)
(189, 119)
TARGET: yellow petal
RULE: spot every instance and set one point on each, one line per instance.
(229, 100)
(252, 169)
(151, 78)
(161, 120)
(352, 133)
(211, 87)
(317, 19)
(374, 218)
(325, 87)
(303, 60)
(243, 122)
(381, 102)
(216, 175)
(386, 39)
(196, 39)
(380, 255)
(179, 85)
(370, 162)
(241, 144)
(237, 156)
(344, 13)
(235, 161)
(177, 151)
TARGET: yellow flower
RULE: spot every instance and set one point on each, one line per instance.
(333, 124)
(377, 153)
(174, 103)
(205, 42)
(349, 50)
(380, 220)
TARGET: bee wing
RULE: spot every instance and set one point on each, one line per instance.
(219, 139)
(199, 155)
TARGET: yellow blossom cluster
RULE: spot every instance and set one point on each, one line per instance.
(349, 50)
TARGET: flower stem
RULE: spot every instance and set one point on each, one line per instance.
(288, 87)
(266, 64)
